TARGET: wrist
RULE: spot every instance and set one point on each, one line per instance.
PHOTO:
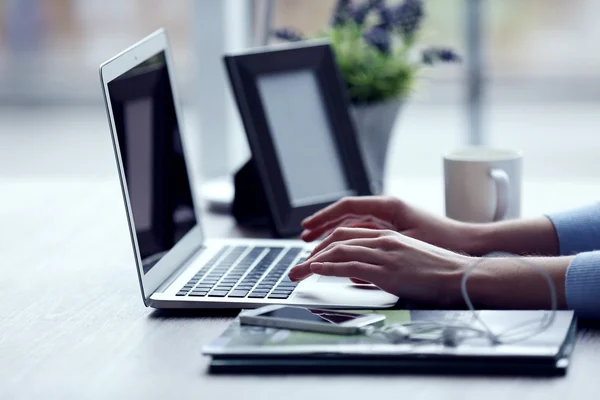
(479, 238)
(450, 293)
(535, 236)
(482, 283)
(514, 282)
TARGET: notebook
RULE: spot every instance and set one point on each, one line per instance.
(251, 349)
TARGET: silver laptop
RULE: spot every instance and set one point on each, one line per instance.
(178, 267)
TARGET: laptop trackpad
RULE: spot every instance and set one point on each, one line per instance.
(334, 291)
(333, 279)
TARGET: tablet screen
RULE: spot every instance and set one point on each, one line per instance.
(304, 142)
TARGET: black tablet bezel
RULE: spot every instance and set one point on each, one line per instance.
(243, 70)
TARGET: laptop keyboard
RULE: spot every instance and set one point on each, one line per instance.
(238, 273)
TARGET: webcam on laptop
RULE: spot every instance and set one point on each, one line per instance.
(305, 151)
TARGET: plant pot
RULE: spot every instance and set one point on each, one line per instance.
(374, 124)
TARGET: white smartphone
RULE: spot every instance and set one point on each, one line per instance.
(310, 319)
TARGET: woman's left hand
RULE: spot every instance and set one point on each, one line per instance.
(407, 267)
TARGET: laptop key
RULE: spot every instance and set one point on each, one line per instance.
(198, 294)
(218, 293)
(284, 289)
(255, 295)
(290, 288)
(279, 296)
(238, 293)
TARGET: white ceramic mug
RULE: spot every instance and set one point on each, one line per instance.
(483, 184)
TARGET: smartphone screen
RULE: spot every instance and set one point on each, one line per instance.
(312, 315)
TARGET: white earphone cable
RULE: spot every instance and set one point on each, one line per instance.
(450, 333)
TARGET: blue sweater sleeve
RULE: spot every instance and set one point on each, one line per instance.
(579, 234)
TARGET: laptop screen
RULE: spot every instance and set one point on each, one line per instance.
(152, 156)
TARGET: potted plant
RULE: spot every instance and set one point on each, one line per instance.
(375, 45)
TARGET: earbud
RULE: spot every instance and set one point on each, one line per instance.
(397, 333)
(450, 336)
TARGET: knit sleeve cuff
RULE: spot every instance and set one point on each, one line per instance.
(578, 230)
(582, 286)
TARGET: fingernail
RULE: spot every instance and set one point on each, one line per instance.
(305, 220)
(316, 267)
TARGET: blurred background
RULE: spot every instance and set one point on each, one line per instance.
(540, 89)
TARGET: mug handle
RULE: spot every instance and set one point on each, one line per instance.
(502, 182)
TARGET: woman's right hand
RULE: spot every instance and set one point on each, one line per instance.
(378, 212)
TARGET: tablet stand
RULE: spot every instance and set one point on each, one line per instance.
(250, 206)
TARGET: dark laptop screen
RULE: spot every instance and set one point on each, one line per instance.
(152, 155)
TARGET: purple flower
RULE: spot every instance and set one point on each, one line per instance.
(342, 12)
(386, 17)
(378, 37)
(288, 34)
(433, 54)
(447, 55)
(408, 16)
(362, 11)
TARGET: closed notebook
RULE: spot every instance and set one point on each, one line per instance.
(264, 350)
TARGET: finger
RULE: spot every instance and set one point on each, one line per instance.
(381, 240)
(349, 220)
(312, 234)
(366, 222)
(362, 224)
(351, 250)
(359, 205)
(359, 281)
(343, 234)
(356, 226)
(350, 269)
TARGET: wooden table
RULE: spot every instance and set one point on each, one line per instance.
(72, 322)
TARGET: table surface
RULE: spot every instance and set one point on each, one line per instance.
(72, 322)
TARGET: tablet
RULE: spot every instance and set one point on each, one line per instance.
(295, 110)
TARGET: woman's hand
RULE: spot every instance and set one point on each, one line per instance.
(409, 268)
(390, 213)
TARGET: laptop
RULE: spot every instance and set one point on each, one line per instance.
(177, 265)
